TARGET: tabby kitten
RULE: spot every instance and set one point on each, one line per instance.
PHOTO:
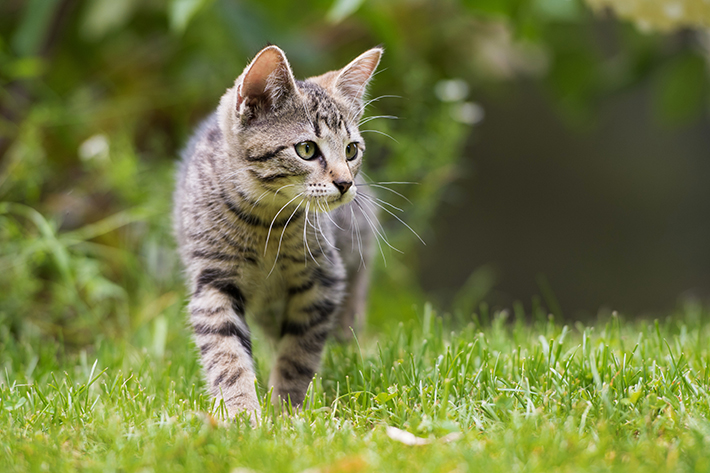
(266, 223)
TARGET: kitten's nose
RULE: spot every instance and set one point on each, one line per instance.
(343, 185)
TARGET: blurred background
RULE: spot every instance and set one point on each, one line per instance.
(558, 151)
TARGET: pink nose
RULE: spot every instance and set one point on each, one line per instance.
(343, 185)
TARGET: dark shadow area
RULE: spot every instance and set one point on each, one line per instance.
(616, 215)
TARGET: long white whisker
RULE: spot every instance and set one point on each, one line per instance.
(282, 187)
(268, 234)
(257, 200)
(400, 221)
(331, 218)
(373, 198)
(305, 238)
(305, 228)
(382, 182)
(377, 226)
(379, 133)
(390, 190)
(278, 250)
(315, 233)
(377, 240)
(377, 99)
(320, 227)
(352, 229)
(359, 238)
(305, 109)
(369, 119)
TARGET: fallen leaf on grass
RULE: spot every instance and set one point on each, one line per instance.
(408, 438)
(405, 437)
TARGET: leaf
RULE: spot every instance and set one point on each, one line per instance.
(383, 397)
(558, 10)
(405, 437)
(342, 9)
(181, 12)
(35, 24)
(680, 90)
(478, 285)
(103, 16)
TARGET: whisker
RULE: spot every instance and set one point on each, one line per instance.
(373, 198)
(360, 110)
(305, 240)
(268, 234)
(282, 187)
(388, 183)
(319, 224)
(278, 250)
(377, 226)
(308, 115)
(379, 133)
(377, 99)
(315, 233)
(380, 185)
(352, 229)
(389, 190)
(359, 237)
(377, 240)
(331, 218)
(400, 221)
(257, 200)
(369, 119)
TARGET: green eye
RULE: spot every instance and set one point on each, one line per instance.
(351, 151)
(306, 149)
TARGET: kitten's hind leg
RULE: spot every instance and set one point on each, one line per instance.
(351, 317)
(222, 335)
(310, 317)
(298, 358)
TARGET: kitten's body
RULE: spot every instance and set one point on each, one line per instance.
(252, 229)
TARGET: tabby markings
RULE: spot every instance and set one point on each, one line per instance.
(227, 329)
(265, 156)
(220, 280)
(320, 312)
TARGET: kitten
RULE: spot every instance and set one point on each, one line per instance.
(266, 225)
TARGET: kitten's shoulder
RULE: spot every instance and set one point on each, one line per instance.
(207, 135)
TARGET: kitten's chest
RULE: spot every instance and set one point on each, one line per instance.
(269, 297)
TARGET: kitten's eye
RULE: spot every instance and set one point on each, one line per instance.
(351, 151)
(306, 149)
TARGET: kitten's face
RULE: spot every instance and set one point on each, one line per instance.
(296, 142)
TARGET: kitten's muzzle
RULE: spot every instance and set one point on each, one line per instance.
(343, 185)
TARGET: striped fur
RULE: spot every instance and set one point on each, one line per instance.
(260, 229)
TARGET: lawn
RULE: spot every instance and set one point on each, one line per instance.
(431, 394)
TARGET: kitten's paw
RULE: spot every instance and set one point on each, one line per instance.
(249, 409)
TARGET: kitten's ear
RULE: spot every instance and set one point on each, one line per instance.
(353, 78)
(266, 80)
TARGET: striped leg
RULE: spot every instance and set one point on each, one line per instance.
(301, 346)
(221, 333)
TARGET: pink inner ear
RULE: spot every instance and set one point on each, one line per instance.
(255, 80)
(356, 75)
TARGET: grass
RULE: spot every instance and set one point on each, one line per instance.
(508, 395)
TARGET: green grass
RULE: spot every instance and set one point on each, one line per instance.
(612, 396)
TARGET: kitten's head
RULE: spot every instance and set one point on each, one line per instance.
(294, 140)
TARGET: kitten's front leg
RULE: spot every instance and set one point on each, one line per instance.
(221, 333)
(310, 319)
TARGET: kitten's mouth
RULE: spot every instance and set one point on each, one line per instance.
(345, 198)
(330, 204)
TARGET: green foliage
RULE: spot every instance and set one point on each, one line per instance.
(681, 89)
(99, 98)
